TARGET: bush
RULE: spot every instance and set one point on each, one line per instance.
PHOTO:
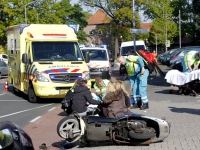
(2, 50)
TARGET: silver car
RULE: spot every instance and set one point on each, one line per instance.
(3, 69)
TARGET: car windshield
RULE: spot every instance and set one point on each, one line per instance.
(182, 53)
(56, 51)
(95, 54)
(127, 49)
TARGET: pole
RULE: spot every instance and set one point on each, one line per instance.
(25, 15)
(179, 28)
(156, 43)
(166, 31)
(134, 35)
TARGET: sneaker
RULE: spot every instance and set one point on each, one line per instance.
(134, 106)
(144, 106)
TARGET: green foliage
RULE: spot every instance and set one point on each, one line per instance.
(161, 12)
(3, 50)
(42, 12)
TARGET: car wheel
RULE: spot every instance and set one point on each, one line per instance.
(31, 94)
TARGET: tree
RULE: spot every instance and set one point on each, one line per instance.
(196, 7)
(160, 11)
(121, 16)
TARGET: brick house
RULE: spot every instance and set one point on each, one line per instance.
(97, 37)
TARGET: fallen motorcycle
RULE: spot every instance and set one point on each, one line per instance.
(130, 129)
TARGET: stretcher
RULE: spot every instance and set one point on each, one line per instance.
(187, 83)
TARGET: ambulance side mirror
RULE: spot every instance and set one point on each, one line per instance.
(25, 58)
(87, 57)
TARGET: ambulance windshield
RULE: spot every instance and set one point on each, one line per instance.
(56, 51)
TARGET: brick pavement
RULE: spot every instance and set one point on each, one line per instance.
(182, 111)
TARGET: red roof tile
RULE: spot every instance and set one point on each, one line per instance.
(98, 18)
(146, 25)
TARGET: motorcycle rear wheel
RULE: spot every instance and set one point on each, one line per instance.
(147, 134)
(68, 126)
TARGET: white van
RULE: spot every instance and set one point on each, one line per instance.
(126, 49)
(129, 45)
(4, 57)
(99, 64)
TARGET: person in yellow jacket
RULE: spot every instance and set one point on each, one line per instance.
(100, 87)
(138, 76)
(191, 61)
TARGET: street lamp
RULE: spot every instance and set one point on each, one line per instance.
(25, 14)
(134, 36)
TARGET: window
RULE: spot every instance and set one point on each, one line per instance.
(99, 33)
(91, 32)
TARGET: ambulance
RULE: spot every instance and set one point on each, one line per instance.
(45, 60)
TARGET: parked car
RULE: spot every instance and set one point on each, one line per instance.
(3, 69)
(171, 56)
(178, 58)
(4, 57)
(163, 57)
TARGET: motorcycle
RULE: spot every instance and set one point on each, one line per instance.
(130, 129)
(13, 137)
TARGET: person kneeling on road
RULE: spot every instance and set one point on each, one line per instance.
(100, 87)
(138, 76)
(81, 96)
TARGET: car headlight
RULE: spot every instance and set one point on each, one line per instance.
(177, 62)
(42, 77)
(86, 75)
(168, 58)
(103, 69)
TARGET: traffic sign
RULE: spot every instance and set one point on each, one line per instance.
(167, 43)
(138, 31)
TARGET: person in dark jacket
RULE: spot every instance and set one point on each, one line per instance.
(81, 96)
(116, 100)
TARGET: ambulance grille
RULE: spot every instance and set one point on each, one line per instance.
(65, 77)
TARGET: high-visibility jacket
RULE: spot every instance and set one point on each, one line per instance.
(133, 66)
(98, 89)
(190, 57)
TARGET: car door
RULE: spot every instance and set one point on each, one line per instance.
(4, 68)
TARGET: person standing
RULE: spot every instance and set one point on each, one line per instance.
(138, 76)
(154, 55)
(190, 61)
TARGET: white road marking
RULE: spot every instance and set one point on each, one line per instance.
(24, 110)
(52, 108)
(35, 119)
(2, 94)
(13, 101)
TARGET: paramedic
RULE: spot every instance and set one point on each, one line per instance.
(138, 76)
(100, 87)
(191, 61)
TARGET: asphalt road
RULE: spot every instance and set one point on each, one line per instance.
(17, 109)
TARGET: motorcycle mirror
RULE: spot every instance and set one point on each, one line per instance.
(5, 138)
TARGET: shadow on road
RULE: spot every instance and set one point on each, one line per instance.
(185, 110)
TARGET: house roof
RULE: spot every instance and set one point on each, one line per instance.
(146, 25)
(98, 18)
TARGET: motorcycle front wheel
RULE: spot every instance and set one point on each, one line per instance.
(68, 128)
(147, 133)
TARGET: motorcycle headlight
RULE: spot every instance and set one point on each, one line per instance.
(103, 69)
(86, 75)
(42, 77)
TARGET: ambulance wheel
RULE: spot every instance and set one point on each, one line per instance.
(31, 94)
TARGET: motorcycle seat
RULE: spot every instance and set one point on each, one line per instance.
(93, 119)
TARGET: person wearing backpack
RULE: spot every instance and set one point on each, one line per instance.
(82, 95)
(138, 76)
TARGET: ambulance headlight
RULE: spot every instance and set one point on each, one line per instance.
(86, 75)
(41, 77)
(104, 69)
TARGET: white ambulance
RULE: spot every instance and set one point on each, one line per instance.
(45, 60)
(99, 64)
